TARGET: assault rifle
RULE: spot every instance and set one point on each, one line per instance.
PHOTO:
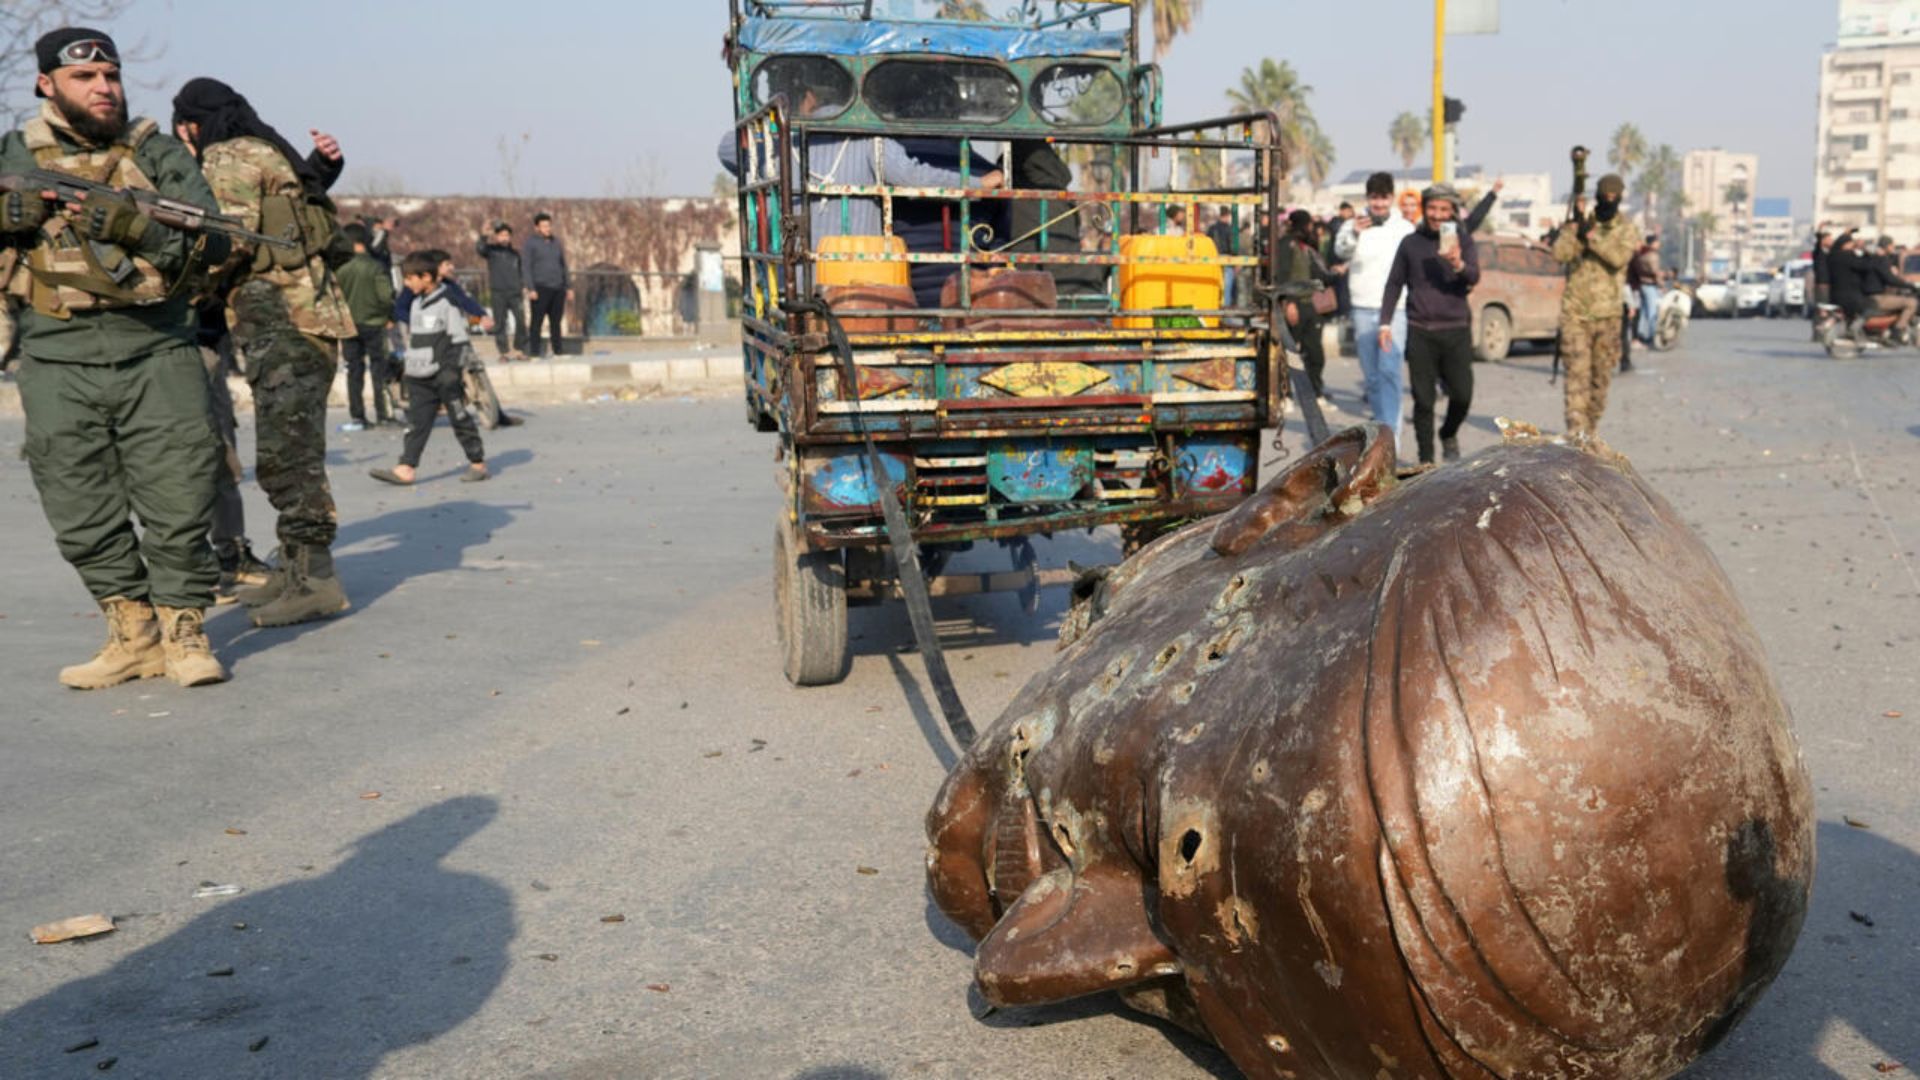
(172, 212)
(1572, 221)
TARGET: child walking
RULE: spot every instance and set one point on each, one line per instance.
(435, 332)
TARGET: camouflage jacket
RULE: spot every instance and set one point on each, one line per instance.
(1599, 267)
(113, 335)
(243, 173)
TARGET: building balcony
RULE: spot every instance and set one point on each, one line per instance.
(1844, 92)
(1841, 197)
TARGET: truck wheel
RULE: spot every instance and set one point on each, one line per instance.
(809, 610)
(1496, 334)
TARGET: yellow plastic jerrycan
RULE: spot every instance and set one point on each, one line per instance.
(1168, 285)
(877, 272)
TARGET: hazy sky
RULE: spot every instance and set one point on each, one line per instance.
(628, 96)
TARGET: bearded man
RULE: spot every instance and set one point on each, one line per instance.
(110, 376)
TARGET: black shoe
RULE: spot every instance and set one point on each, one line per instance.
(1450, 449)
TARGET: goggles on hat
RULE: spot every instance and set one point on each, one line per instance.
(88, 51)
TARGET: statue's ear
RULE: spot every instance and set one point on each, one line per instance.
(1330, 484)
(1069, 936)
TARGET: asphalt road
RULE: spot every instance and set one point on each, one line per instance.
(561, 686)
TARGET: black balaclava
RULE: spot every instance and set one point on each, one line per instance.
(222, 114)
(1606, 202)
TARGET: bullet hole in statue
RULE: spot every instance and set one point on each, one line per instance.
(1190, 845)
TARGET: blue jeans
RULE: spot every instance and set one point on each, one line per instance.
(1649, 310)
(1382, 375)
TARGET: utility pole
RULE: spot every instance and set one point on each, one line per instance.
(1440, 155)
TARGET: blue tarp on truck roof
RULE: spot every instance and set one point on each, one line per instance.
(835, 37)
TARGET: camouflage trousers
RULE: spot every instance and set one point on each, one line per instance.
(1589, 353)
(290, 374)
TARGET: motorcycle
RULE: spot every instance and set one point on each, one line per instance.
(1843, 339)
(481, 396)
(1670, 319)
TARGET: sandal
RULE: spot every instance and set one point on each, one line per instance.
(475, 474)
(389, 476)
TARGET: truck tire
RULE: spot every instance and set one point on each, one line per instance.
(1495, 339)
(809, 610)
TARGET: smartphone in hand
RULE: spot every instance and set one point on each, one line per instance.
(1449, 236)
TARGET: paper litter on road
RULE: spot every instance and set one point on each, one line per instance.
(78, 926)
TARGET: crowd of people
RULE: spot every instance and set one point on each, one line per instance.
(130, 315)
(1401, 271)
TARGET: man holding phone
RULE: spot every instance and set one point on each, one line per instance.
(1367, 244)
(1438, 266)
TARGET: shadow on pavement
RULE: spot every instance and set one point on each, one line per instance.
(421, 540)
(1844, 972)
(388, 950)
(496, 464)
(1204, 1055)
(840, 1072)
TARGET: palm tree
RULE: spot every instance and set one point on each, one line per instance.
(1736, 196)
(1275, 87)
(1171, 18)
(1659, 183)
(1626, 150)
(1703, 223)
(1408, 134)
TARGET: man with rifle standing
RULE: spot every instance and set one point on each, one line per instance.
(288, 317)
(110, 377)
(1597, 247)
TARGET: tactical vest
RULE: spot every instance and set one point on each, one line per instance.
(62, 273)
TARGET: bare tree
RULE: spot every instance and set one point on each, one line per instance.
(510, 151)
(21, 24)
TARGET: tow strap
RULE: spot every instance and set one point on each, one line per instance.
(906, 554)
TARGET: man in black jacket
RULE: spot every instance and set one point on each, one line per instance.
(543, 268)
(1885, 292)
(1437, 265)
(503, 280)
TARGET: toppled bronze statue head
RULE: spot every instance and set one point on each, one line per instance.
(1476, 774)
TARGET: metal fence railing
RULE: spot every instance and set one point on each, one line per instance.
(609, 302)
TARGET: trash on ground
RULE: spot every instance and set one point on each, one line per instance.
(208, 890)
(78, 926)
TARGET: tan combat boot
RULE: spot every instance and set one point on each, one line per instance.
(183, 637)
(309, 590)
(132, 650)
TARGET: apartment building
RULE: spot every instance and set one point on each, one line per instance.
(1867, 174)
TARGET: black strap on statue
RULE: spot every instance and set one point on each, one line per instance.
(906, 554)
(1298, 292)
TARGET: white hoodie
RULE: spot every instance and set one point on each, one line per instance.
(1369, 257)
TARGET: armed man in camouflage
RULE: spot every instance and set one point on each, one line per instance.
(288, 318)
(111, 381)
(1597, 247)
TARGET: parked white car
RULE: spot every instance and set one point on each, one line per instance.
(1750, 291)
(1713, 298)
(1789, 290)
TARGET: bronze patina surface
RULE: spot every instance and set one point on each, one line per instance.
(1476, 774)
